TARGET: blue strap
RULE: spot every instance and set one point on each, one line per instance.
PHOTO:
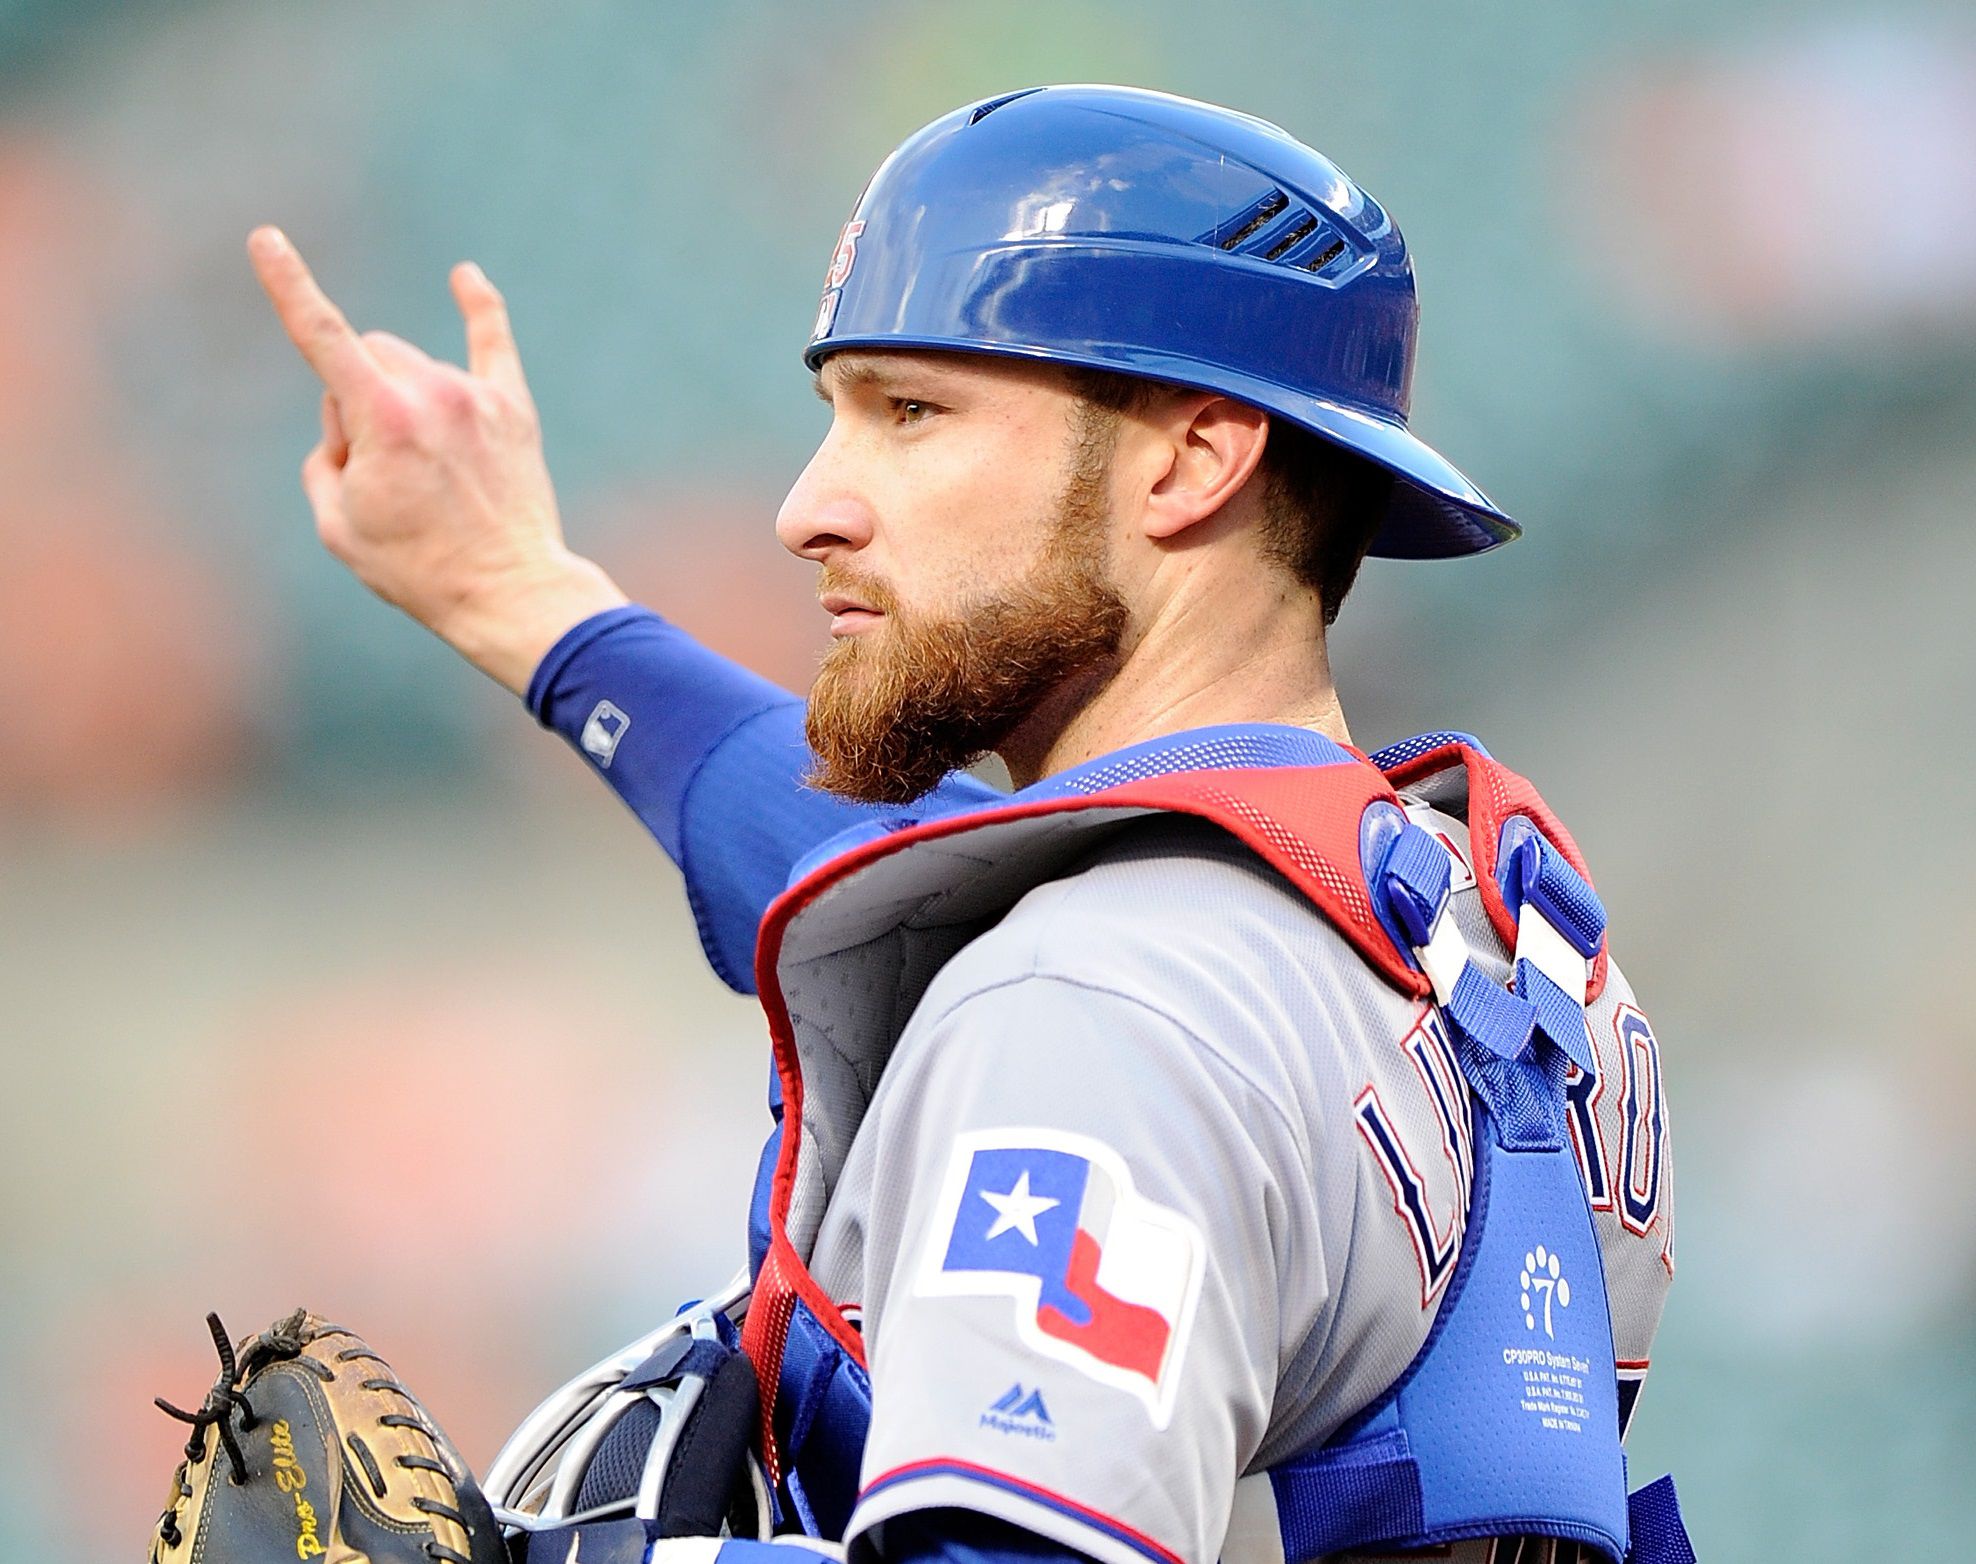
(1659, 1535)
(1348, 1497)
(1524, 1097)
(1560, 1018)
(1534, 875)
(1492, 1027)
(1491, 1017)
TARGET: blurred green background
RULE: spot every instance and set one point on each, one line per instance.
(325, 977)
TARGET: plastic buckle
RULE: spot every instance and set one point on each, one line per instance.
(1414, 884)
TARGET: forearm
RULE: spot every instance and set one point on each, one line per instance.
(708, 755)
(646, 705)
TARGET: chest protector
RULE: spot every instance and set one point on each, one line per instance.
(1507, 1421)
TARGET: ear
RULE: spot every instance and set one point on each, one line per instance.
(1213, 445)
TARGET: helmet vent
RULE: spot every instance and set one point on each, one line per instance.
(1255, 217)
(1274, 228)
(1295, 234)
(1330, 253)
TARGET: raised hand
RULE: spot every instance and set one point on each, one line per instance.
(429, 481)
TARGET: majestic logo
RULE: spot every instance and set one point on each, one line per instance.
(602, 730)
(1103, 1279)
(1540, 1280)
(842, 259)
(1017, 1411)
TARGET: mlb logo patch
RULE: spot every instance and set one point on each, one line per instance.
(1103, 1279)
(602, 730)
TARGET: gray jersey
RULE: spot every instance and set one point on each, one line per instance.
(1164, 1076)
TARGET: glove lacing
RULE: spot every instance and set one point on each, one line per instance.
(220, 1403)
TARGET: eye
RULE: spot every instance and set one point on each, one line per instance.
(910, 409)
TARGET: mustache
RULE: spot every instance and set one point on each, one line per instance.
(868, 590)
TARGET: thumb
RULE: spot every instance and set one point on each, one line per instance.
(322, 482)
(335, 442)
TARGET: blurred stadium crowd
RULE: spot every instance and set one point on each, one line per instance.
(325, 978)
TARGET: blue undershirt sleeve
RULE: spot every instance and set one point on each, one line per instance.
(710, 756)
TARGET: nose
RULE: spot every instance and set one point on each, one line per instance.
(823, 513)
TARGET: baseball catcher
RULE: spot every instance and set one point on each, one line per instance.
(1230, 1145)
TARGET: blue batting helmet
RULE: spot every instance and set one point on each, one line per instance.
(1135, 231)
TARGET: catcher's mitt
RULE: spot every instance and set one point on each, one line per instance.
(308, 1447)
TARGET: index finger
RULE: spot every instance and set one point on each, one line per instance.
(313, 323)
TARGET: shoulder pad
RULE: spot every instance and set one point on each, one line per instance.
(1305, 822)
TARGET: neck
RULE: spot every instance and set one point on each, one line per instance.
(1189, 669)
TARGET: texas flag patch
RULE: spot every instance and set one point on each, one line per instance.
(1103, 1279)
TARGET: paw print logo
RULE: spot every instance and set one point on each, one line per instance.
(1540, 1276)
